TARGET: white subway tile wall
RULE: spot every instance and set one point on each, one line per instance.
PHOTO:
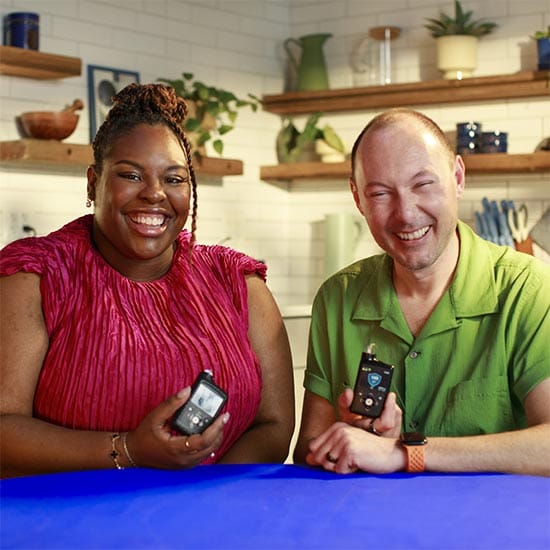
(238, 44)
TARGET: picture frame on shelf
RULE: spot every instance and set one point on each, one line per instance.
(103, 84)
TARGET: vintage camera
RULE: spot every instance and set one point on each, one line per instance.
(371, 385)
(202, 408)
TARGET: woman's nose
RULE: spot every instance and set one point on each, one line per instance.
(153, 190)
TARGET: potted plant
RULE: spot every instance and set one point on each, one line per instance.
(543, 48)
(311, 143)
(457, 40)
(212, 111)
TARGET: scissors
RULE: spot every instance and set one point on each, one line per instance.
(517, 221)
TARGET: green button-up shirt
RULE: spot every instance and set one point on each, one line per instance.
(483, 349)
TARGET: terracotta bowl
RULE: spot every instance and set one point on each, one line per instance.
(48, 124)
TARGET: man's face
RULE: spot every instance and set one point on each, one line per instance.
(407, 188)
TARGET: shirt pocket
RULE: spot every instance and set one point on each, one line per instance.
(480, 406)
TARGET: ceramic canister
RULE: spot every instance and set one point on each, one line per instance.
(21, 29)
(468, 137)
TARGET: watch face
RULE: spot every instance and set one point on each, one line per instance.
(413, 438)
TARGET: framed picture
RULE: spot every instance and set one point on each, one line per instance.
(103, 84)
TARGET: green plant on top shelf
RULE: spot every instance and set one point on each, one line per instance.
(539, 35)
(212, 111)
(291, 142)
(461, 23)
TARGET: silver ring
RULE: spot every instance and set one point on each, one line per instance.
(371, 429)
(330, 458)
(187, 446)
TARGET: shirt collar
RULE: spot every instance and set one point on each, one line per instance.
(472, 291)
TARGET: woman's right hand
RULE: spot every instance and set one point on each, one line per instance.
(154, 443)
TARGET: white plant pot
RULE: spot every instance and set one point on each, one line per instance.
(457, 56)
(327, 153)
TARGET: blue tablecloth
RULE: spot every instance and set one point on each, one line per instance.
(273, 506)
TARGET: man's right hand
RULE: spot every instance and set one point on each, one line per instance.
(388, 424)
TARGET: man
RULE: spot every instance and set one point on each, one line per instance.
(465, 322)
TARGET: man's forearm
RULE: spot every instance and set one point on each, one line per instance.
(518, 452)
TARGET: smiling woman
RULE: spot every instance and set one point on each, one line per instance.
(106, 320)
(140, 209)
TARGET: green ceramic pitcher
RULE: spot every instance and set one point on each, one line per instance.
(312, 70)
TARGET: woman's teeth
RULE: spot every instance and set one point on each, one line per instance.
(414, 234)
(153, 221)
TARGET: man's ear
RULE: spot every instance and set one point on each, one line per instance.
(92, 182)
(355, 193)
(460, 176)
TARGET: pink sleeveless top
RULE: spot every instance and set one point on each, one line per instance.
(118, 348)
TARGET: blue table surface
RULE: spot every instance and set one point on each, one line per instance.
(273, 506)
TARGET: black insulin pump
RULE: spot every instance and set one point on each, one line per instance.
(202, 408)
(372, 385)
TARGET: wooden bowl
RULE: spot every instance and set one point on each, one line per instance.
(48, 124)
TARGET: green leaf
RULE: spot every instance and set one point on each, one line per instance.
(192, 125)
(204, 136)
(217, 144)
(330, 136)
(224, 128)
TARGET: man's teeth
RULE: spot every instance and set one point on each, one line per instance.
(149, 220)
(414, 235)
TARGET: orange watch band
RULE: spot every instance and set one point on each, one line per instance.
(415, 458)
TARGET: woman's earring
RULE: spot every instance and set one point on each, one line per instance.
(88, 202)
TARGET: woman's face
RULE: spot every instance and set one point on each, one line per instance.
(141, 200)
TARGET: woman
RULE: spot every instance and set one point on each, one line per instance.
(104, 321)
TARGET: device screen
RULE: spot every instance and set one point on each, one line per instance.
(206, 400)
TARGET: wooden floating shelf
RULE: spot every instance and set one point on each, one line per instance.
(480, 164)
(35, 64)
(44, 152)
(484, 88)
(32, 153)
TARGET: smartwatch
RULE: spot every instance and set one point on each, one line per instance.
(413, 443)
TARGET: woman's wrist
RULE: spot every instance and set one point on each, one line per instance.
(120, 453)
(127, 453)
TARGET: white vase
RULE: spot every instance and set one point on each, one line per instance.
(327, 153)
(457, 56)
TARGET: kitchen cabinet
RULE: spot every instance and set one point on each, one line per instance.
(525, 84)
(39, 65)
(66, 157)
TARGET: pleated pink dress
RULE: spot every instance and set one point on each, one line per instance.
(118, 347)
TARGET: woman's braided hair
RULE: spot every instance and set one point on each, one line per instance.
(145, 104)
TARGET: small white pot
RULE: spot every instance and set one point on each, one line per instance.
(457, 56)
(327, 153)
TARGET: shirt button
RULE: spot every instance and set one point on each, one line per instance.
(413, 354)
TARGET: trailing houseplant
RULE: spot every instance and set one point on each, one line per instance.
(292, 143)
(457, 39)
(212, 111)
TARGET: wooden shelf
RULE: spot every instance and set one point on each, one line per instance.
(35, 64)
(484, 88)
(32, 153)
(480, 164)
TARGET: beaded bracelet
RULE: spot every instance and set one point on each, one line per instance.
(126, 451)
(114, 454)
